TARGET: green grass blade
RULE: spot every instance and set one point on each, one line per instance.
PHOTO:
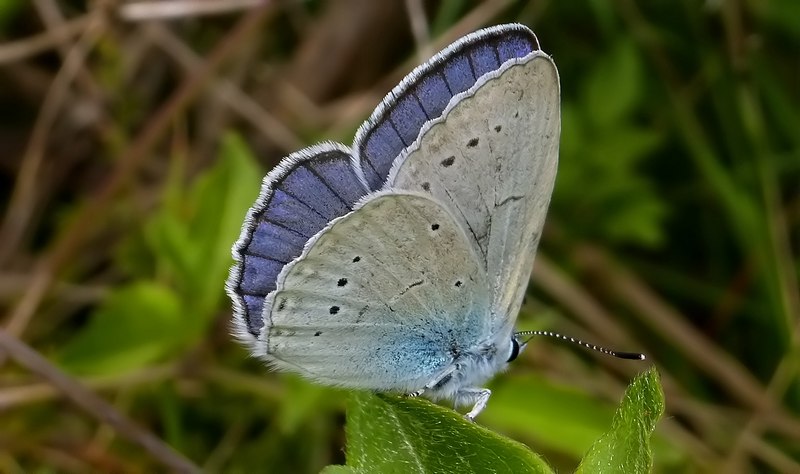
(625, 448)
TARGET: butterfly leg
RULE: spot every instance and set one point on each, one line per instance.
(440, 380)
(477, 396)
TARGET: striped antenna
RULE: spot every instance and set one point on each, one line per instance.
(621, 355)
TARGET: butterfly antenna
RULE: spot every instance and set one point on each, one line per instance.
(620, 355)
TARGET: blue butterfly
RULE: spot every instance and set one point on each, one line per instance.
(400, 263)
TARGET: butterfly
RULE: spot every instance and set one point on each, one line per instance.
(400, 263)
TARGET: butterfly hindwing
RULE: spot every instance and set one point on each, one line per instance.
(298, 199)
(383, 298)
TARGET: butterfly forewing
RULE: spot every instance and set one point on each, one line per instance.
(491, 160)
(425, 93)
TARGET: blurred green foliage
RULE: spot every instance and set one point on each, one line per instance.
(9, 10)
(606, 148)
(147, 321)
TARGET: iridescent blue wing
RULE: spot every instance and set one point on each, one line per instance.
(306, 191)
(425, 93)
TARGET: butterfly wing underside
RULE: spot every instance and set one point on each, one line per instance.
(381, 299)
(492, 163)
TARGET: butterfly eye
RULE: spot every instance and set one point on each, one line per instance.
(514, 349)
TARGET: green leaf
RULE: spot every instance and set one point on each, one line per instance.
(135, 325)
(556, 417)
(625, 448)
(393, 434)
(222, 197)
(192, 235)
(338, 470)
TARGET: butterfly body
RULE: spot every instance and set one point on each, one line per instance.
(400, 264)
